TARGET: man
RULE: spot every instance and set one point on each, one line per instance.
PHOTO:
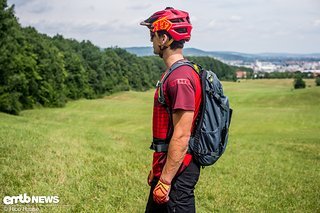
(174, 174)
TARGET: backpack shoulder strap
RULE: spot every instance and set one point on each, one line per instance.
(175, 66)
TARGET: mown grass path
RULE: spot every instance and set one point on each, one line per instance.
(94, 154)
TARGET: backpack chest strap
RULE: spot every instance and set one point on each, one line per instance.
(159, 145)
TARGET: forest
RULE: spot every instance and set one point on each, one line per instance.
(39, 70)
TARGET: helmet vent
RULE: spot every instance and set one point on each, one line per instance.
(188, 19)
(177, 20)
(181, 30)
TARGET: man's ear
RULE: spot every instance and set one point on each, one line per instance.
(164, 39)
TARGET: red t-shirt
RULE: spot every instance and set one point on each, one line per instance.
(182, 91)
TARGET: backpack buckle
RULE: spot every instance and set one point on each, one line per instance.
(159, 146)
(158, 84)
(161, 97)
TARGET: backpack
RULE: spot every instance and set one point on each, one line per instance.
(209, 137)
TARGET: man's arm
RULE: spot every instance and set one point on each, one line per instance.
(178, 146)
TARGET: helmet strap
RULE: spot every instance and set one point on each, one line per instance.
(168, 43)
(164, 46)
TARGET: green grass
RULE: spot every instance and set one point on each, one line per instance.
(94, 154)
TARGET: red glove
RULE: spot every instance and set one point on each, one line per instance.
(161, 192)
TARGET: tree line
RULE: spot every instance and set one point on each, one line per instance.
(39, 70)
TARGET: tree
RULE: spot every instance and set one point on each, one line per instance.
(14, 62)
(299, 83)
(318, 81)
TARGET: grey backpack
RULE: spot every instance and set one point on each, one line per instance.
(210, 134)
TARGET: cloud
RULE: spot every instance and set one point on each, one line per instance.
(316, 23)
(20, 3)
(213, 23)
(91, 7)
(235, 18)
(217, 24)
(32, 6)
(226, 24)
(139, 6)
(40, 8)
(83, 29)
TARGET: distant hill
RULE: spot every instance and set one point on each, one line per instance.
(229, 55)
(140, 51)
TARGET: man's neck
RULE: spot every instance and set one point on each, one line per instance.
(172, 56)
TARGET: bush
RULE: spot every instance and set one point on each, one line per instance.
(9, 103)
(318, 81)
(299, 83)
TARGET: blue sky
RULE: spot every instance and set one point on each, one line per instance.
(250, 26)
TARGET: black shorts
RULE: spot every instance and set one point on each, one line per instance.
(181, 193)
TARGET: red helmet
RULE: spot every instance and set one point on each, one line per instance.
(175, 22)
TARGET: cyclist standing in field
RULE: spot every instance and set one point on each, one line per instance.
(174, 172)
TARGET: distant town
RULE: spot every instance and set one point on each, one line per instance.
(312, 68)
(263, 65)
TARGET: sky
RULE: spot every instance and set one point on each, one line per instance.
(248, 26)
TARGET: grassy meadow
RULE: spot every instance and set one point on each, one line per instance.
(94, 154)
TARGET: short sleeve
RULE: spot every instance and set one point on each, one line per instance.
(181, 89)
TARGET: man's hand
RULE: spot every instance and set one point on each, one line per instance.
(150, 177)
(161, 192)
